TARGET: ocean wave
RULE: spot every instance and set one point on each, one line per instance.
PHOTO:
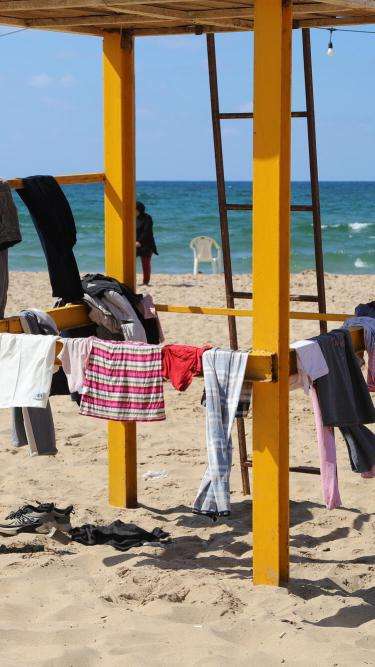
(357, 226)
(360, 264)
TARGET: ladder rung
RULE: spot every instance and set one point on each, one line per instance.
(306, 470)
(249, 207)
(310, 298)
(249, 115)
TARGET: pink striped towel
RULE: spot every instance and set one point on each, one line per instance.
(123, 382)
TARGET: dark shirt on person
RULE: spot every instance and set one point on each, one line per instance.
(145, 236)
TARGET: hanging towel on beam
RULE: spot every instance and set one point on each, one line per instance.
(54, 223)
(224, 373)
(123, 381)
(9, 226)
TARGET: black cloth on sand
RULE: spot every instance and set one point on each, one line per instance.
(121, 536)
(54, 223)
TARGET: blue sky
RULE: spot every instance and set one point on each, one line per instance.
(51, 106)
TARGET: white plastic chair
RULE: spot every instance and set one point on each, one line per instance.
(202, 249)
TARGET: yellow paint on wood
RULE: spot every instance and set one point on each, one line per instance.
(119, 151)
(68, 179)
(271, 222)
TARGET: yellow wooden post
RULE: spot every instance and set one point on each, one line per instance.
(119, 151)
(271, 221)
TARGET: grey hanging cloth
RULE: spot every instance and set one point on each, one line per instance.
(344, 398)
(9, 226)
(34, 426)
(54, 223)
(9, 235)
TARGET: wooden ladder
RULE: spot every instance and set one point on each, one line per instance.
(224, 207)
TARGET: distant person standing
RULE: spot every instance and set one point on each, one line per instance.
(145, 243)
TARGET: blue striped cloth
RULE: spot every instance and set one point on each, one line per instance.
(224, 372)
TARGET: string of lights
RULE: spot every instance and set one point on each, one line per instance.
(332, 30)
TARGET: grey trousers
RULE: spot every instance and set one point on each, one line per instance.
(34, 426)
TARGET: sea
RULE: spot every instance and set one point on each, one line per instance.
(183, 210)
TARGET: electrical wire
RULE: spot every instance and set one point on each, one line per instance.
(12, 32)
(361, 32)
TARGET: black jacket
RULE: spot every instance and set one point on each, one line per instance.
(54, 223)
(145, 236)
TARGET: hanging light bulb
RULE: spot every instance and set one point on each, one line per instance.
(330, 44)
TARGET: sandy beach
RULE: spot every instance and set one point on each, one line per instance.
(191, 602)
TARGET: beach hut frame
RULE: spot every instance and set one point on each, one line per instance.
(271, 361)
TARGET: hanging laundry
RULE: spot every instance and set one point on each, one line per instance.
(244, 402)
(34, 426)
(123, 382)
(121, 536)
(311, 364)
(74, 357)
(344, 398)
(365, 309)
(343, 395)
(224, 373)
(361, 449)
(368, 325)
(148, 310)
(9, 226)
(97, 285)
(54, 223)
(9, 235)
(125, 315)
(27, 364)
(327, 456)
(181, 363)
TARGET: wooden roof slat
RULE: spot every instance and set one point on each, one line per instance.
(146, 17)
(334, 21)
(101, 20)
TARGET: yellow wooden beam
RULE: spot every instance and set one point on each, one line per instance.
(271, 222)
(119, 149)
(68, 179)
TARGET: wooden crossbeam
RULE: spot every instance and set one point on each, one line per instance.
(352, 4)
(23, 23)
(334, 21)
(142, 13)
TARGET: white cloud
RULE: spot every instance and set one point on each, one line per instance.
(40, 80)
(44, 80)
(67, 80)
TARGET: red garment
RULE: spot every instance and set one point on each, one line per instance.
(181, 363)
(146, 267)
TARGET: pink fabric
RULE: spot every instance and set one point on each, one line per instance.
(371, 370)
(74, 357)
(148, 310)
(123, 382)
(327, 456)
(369, 473)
